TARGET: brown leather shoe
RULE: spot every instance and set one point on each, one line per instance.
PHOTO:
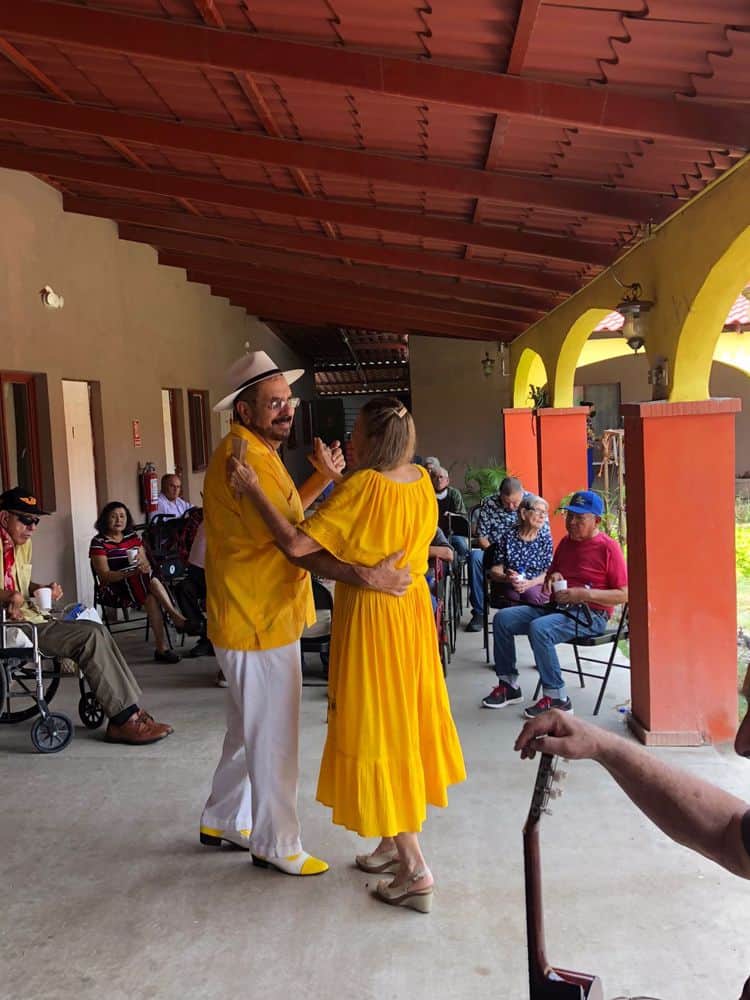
(139, 730)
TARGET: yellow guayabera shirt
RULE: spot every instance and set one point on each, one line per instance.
(22, 577)
(256, 598)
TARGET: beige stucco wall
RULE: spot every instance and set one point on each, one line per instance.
(631, 373)
(458, 412)
(127, 323)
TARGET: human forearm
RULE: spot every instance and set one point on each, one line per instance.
(384, 576)
(327, 566)
(690, 811)
(292, 542)
(607, 598)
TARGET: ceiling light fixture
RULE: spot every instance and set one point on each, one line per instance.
(634, 311)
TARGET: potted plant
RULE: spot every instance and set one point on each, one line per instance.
(482, 481)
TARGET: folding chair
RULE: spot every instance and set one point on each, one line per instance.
(494, 597)
(106, 608)
(317, 638)
(617, 630)
(459, 524)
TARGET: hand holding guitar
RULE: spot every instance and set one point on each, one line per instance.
(562, 734)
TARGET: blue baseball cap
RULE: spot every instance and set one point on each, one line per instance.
(585, 502)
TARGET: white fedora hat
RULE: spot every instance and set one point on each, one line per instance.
(249, 370)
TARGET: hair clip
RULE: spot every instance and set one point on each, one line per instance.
(401, 412)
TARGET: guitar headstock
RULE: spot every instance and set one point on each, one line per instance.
(549, 774)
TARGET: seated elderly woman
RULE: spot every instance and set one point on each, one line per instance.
(524, 554)
(126, 578)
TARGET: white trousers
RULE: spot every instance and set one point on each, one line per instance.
(255, 784)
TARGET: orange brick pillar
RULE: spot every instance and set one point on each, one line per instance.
(679, 480)
(520, 435)
(561, 454)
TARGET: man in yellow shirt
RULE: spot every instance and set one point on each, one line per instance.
(258, 604)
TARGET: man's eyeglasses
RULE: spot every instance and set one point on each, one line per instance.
(28, 519)
(276, 404)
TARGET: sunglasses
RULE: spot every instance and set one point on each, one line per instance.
(28, 519)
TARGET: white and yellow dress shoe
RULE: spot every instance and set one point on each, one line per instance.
(296, 864)
(211, 837)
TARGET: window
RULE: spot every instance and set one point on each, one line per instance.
(199, 436)
(25, 441)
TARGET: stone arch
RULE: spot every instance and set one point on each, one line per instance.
(530, 370)
(702, 328)
(570, 351)
(733, 349)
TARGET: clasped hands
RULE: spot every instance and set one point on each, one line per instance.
(328, 460)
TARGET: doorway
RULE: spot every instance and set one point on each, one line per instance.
(79, 435)
(172, 419)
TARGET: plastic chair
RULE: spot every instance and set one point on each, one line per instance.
(611, 636)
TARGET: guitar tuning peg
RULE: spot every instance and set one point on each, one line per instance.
(560, 775)
(555, 793)
(547, 812)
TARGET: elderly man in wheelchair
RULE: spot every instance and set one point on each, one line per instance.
(90, 645)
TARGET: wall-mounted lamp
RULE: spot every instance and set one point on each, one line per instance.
(488, 363)
(659, 374)
(50, 298)
(634, 311)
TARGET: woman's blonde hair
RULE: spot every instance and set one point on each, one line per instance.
(388, 432)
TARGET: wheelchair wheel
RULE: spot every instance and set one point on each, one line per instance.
(51, 735)
(25, 680)
(90, 711)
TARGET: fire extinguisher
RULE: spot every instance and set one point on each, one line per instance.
(149, 488)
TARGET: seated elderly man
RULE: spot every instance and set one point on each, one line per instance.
(89, 644)
(496, 516)
(449, 501)
(591, 566)
(169, 500)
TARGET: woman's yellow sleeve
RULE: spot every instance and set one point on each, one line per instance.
(340, 523)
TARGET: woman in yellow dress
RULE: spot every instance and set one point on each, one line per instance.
(392, 746)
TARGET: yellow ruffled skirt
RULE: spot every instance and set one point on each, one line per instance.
(392, 748)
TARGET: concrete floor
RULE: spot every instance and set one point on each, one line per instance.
(108, 893)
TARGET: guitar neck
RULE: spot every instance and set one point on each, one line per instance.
(546, 983)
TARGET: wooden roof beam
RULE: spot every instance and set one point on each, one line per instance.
(564, 196)
(295, 206)
(600, 108)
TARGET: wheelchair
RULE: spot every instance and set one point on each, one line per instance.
(26, 674)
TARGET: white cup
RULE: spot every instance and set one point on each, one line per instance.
(133, 557)
(560, 585)
(43, 598)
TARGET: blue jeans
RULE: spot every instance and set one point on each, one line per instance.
(476, 581)
(461, 544)
(545, 630)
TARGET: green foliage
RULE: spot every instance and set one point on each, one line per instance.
(742, 548)
(539, 396)
(482, 481)
(742, 510)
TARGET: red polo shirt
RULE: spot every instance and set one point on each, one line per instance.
(597, 562)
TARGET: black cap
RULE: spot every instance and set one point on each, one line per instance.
(20, 501)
